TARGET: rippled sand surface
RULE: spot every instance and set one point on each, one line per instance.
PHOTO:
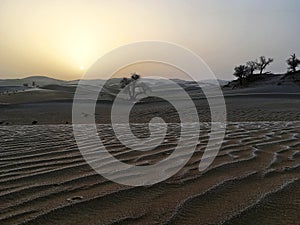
(254, 179)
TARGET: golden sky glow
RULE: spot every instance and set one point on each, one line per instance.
(59, 38)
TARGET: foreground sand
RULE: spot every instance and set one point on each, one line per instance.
(254, 180)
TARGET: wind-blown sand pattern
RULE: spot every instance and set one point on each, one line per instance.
(254, 179)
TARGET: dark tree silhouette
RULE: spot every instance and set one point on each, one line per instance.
(293, 63)
(134, 78)
(252, 65)
(133, 87)
(241, 72)
(125, 85)
(263, 63)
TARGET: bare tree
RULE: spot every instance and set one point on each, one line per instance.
(293, 63)
(125, 84)
(252, 65)
(134, 77)
(241, 72)
(133, 87)
(263, 63)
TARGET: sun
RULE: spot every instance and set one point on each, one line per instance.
(81, 67)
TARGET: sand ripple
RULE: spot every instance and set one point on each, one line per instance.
(254, 179)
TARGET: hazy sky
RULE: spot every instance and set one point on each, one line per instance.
(56, 38)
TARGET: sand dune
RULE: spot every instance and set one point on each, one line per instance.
(45, 180)
(255, 177)
(262, 100)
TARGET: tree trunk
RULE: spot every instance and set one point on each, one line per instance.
(133, 89)
(130, 93)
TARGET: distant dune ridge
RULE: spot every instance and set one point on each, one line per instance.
(271, 97)
(40, 80)
(266, 83)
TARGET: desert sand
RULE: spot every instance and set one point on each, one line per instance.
(240, 107)
(45, 180)
(254, 179)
